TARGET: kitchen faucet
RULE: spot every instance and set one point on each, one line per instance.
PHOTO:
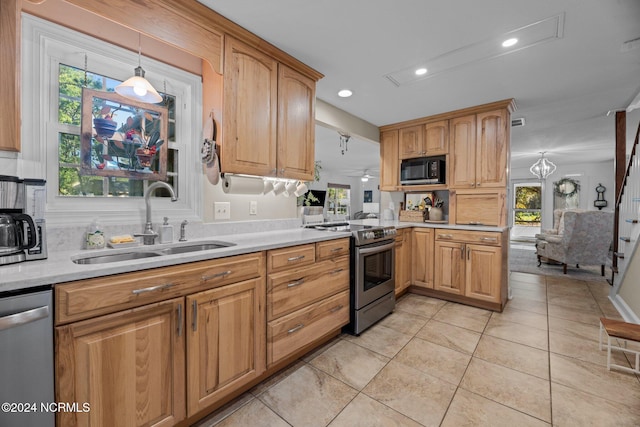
(149, 236)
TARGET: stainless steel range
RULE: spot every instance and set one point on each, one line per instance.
(372, 273)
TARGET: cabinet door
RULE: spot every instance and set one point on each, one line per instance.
(462, 147)
(403, 261)
(389, 162)
(484, 272)
(296, 125)
(450, 267)
(129, 366)
(492, 148)
(226, 340)
(423, 257)
(10, 41)
(436, 138)
(411, 142)
(250, 110)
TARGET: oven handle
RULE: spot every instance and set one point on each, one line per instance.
(375, 249)
(24, 317)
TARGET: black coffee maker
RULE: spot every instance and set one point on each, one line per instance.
(17, 229)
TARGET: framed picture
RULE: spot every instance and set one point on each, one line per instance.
(123, 138)
(368, 196)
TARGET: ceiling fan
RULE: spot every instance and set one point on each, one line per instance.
(365, 175)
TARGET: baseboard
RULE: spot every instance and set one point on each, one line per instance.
(625, 311)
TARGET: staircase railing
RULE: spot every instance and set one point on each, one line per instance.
(627, 228)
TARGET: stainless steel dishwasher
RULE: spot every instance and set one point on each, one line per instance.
(26, 359)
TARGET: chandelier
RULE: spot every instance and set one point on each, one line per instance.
(344, 140)
(543, 167)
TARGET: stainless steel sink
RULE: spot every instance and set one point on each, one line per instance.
(195, 247)
(106, 258)
(171, 250)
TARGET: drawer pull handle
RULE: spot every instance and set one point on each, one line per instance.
(296, 283)
(489, 239)
(336, 271)
(475, 223)
(296, 328)
(194, 321)
(152, 289)
(445, 236)
(215, 276)
(336, 249)
(295, 258)
(179, 310)
(336, 308)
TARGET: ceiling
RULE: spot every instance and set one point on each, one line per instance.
(563, 87)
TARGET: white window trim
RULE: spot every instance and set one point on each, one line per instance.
(44, 46)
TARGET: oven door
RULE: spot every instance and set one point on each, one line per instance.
(374, 272)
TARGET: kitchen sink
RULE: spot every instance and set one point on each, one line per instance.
(171, 250)
(106, 258)
(204, 246)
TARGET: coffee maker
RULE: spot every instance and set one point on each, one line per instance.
(18, 231)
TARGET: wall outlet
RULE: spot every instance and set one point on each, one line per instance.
(222, 210)
(253, 207)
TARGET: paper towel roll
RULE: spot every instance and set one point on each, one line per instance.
(242, 185)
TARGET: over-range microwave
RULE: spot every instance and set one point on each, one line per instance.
(423, 170)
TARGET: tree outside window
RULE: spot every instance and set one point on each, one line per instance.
(338, 200)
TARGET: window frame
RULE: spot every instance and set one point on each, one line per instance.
(45, 46)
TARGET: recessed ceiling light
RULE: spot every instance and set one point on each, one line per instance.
(421, 71)
(345, 93)
(509, 42)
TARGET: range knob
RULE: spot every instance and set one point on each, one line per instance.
(390, 232)
(369, 235)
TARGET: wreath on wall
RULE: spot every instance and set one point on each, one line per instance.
(566, 187)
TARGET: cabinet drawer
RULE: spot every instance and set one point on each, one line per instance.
(279, 259)
(292, 289)
(468, 236)
(332, 248)
(293, 331)
(93, 297)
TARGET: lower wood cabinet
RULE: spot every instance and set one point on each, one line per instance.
(422, 248)
(403, 260)
(225, 341)
(160, 362)
(129, 366)
(471, 264)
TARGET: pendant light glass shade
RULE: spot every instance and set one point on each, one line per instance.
(543, 167)
(139, 89)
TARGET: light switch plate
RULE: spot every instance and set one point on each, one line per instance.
(253, 207)
(222, 210)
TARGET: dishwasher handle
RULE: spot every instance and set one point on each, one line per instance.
(24, 317)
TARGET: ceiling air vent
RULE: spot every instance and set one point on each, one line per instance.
(517, 122)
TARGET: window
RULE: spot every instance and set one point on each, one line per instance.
(527, 211)
(71, 182)
(58, 62)
(338, 202)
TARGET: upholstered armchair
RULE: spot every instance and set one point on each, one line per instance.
(558, 223)
(586, 239)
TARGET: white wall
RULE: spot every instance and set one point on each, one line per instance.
(357, 187)
(270, 206)
(589, 176)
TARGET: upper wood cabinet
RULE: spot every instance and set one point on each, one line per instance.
(268, 116)
(431, 139)
(10, 72)
(296, 124)
(436, 138)
(250, 110)
(389, 162)
(410, 144)
(479, 150)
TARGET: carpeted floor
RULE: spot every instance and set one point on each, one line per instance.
(522, 258)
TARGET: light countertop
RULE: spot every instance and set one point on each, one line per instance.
(59, 267)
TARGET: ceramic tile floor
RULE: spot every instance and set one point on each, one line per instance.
(436, 363)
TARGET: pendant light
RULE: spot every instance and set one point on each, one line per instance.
(137, 87)
(543, 167)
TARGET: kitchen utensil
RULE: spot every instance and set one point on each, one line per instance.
(268, 187)
(279, 188)
(208, 150)
(290, 189)
(11, 232)
(301, 189)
